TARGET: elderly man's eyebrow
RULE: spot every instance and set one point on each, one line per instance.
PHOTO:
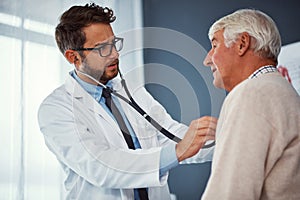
(213, 39)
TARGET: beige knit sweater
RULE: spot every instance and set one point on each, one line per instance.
(257, 153)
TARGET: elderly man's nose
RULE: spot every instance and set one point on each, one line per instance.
(207, 61)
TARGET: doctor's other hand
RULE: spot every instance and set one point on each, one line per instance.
(200, 131)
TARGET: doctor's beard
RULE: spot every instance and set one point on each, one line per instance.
(95, 73)
(110, 71)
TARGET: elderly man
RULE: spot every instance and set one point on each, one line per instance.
(257, 154)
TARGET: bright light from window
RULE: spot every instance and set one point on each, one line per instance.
(39, 27)
(11, 20)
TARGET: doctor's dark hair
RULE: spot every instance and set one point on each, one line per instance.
(69, 32)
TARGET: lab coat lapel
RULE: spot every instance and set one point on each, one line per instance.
(79, 94)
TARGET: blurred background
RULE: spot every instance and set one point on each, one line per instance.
(166, 43)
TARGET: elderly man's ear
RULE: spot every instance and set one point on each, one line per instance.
(243, 43)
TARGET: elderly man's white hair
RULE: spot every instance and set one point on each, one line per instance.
(264, 34)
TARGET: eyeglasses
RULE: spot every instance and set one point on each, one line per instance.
(105, 49)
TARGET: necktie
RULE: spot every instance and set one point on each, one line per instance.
(106, 93)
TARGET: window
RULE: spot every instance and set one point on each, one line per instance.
(32, 67)
(28, 169)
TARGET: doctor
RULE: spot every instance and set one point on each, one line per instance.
(84, 134)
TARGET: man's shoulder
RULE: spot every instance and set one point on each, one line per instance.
(265, 83)
(267, 90)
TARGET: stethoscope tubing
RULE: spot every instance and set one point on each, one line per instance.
(134, 105)
(154, 123)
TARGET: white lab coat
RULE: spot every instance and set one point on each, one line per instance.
(92, 151)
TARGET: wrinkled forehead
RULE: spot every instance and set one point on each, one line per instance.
(215, 33)
(217, 37)
(217, 26)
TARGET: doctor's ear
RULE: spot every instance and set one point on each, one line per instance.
(72, 56)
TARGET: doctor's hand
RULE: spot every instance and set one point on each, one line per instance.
(200, 131)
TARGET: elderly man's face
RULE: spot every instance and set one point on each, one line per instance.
(222, 61)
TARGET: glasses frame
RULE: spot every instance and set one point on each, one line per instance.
(113, 44)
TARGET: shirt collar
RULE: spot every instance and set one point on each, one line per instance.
(263, 70)
(94, 90)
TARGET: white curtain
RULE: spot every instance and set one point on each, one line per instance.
(31, 67)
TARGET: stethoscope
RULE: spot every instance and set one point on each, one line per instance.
(134, 105)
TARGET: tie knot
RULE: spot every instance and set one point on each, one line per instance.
(106, 92)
